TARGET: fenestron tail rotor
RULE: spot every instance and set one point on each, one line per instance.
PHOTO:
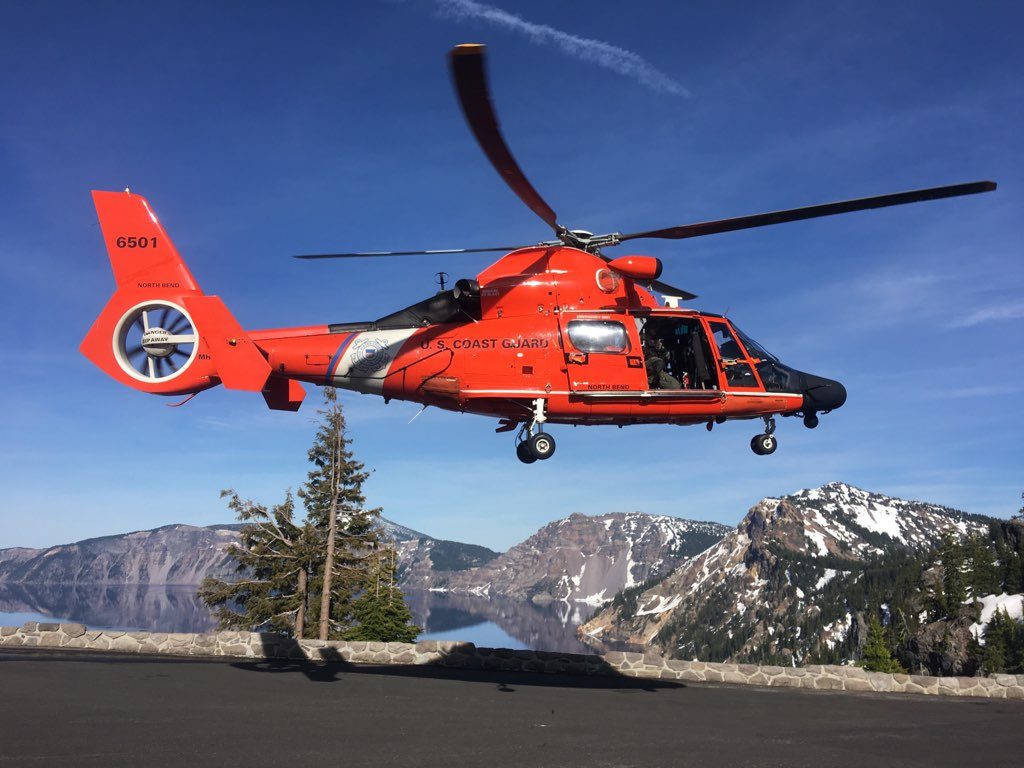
(155, 341)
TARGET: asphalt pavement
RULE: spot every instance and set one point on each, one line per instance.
(92, 710)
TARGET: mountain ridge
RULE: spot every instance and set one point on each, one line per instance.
(753, 594)
(621, 549)
(585, 558)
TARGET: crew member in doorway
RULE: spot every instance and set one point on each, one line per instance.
(655, 358)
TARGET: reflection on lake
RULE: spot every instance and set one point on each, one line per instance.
(152, 608)
(495, 622)
(550, 627)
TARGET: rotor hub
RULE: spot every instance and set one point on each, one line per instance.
(156, 342)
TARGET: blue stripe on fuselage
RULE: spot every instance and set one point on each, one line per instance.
(337, 357)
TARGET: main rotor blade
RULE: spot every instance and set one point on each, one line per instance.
(669, 290)
(442, 251)
(813, 211)
(467, 64)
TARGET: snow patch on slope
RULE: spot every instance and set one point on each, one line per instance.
(1012, 604)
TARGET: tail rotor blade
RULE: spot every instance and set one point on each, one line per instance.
(178, 325)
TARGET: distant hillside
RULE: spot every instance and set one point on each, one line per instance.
(171, 554)
(582, 558)
(185, 554)
(788, 582)
(578, 559)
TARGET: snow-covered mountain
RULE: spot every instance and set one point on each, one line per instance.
(397, 532)
(763, 591)
(586, 558)
(838, 519)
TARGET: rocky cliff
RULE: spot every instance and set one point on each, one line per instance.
(584, 558)
(173, 554)
(185, 554)
(776, 587)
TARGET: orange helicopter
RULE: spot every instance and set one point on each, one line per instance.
(553, 333)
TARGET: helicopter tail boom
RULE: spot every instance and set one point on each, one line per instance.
(159, 332)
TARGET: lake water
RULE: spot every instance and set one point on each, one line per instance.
(493, 622)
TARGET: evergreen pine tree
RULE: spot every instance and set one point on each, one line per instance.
(876, 654)
(273, 556)
(982, 577)
(381, 610)
(954, 585)
(335, 507)
(308, 578)
(1011, 558)
(1003, 650)
(935, 599)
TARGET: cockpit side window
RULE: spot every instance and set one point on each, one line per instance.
(738, 372)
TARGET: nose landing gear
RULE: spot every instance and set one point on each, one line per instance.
(765, 445)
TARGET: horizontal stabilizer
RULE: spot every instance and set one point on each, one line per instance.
(283, 394)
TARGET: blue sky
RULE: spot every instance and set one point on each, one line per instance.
(259, 130)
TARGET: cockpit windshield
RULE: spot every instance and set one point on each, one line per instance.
(775, 376)
(753, 348)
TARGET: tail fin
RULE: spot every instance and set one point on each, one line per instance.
(141, 253)
(159, 333)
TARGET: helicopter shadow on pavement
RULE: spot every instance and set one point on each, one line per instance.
(332, 668)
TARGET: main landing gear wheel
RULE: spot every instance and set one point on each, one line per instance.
(541, 445)
(525, 454)
(532, 443)
(764, 445)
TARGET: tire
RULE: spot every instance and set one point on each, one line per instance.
(525, 454)
(764, 445)
(541, 445)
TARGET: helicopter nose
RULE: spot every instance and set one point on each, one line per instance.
(822, 394)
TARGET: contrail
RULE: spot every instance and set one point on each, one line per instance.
(595, 51)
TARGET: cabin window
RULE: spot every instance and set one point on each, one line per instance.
(598, 336)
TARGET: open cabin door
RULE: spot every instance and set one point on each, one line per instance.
(602, 354)
(677, 355)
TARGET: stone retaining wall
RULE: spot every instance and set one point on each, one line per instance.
(256, 645)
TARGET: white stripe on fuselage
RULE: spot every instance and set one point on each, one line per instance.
(368, 359)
